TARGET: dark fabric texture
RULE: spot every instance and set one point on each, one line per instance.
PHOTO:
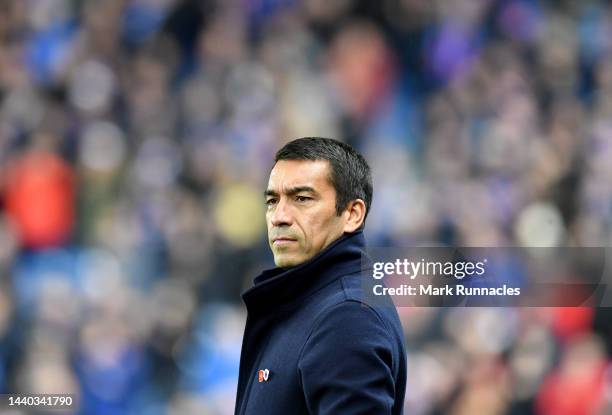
(322, 348)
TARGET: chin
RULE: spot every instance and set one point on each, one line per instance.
(287, 262)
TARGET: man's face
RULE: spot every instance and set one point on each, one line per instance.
(301, 211)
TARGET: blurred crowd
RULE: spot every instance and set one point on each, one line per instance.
(136, 137)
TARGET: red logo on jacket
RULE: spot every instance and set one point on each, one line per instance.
(263, 375)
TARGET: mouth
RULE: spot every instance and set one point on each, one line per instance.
(282, 241)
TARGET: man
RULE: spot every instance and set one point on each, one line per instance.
(311, 344)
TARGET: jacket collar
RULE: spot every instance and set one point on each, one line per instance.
(276, 287)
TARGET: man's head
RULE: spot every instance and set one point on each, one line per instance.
(318, 190)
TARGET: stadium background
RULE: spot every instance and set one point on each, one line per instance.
(136, 137)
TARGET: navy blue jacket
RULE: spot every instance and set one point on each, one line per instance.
(312, 346)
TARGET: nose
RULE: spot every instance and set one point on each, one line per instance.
(280, 214)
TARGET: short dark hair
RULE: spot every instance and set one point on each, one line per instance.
(349, 174)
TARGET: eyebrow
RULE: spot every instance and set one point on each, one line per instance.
(291, 191)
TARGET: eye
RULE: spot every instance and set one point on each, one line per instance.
(270, 201)
(303, 198)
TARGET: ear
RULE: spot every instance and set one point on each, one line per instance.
(355, 215)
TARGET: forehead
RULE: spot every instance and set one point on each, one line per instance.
(295, 173)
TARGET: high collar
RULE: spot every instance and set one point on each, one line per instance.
(276, 287)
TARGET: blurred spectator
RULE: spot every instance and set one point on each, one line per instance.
(39, 195)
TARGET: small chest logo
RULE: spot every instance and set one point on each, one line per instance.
(263, 375)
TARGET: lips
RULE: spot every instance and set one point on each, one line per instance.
(282, 240)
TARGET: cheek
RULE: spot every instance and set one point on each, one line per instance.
(268, 222)
(322, 226)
